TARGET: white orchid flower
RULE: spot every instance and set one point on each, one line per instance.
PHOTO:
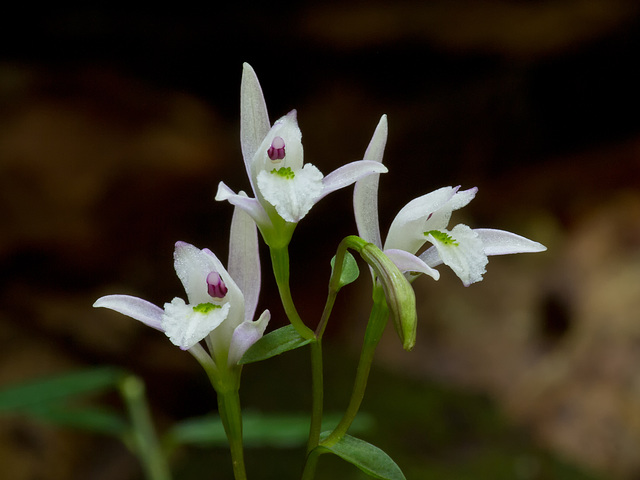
(220, 304)
(425, 219)
(285, 188)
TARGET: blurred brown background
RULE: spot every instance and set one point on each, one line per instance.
(117, 125)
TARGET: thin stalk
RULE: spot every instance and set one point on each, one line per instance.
(377, 322)
(317, 395)
(144, 436)
(280, 263)
(231, 415)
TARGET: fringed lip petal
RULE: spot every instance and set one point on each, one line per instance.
(292, 196)
(134, 307)
(463, 253)
(407, 262)
(501, 242)
(348, 174)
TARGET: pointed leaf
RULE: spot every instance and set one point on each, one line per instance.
(350, 270)
(279, 430)
(274, 343)
(51, 389)
(368, 458)
(90, 419)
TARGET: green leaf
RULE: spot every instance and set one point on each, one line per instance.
(368, 458)
(350, 270)
(91, 419)
(59, 387)
(279, 430)
(274, 343)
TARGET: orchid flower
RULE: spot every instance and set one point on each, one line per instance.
(425, 219)
(285, 188)
(220, 304)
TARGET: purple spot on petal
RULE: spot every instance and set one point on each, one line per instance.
(276, 150)
(215, 285)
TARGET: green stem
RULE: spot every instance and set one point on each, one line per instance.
(377, 322)
(317, 395)
(231, 415)
(310, 465)
(144, 435)
(280, 263)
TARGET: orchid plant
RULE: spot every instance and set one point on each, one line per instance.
(216, 322)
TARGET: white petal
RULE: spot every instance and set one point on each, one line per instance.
(465, 255)
(254, 119)
(245, 335)
(440, 217)
(348, 174)
(292, 197)
(431, 257)
(134, 307)
(244, 259)
(407, 229)
(375, 150)
(185, 327)
(365, 191)
(192, 267)
(407, 262)
(287, 129)
(500, 242)
(249, 205)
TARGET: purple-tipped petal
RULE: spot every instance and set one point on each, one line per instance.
(134, 307)
(254, 119)
(348, 174)
(244, 259)
(245, 335)
(365, 191)
(193, 267)
(501, 242)
(407, 262)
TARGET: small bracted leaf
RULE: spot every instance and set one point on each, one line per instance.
(368, 458)
(350, 270)
(274, 343)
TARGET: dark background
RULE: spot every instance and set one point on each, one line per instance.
(117, 124)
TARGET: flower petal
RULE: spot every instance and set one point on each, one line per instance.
(193, 266)
(407, 262)
(289, 132)
(134, 307)
(185, 326)
(245, 335)
(348, 174)
(365, 191)
(501, 242)
(254, 119)
(461, 250)
(406, 230)
(440, 217)
(292, 195)
(244, 259)
(249, 205)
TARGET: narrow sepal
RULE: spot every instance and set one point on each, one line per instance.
(134, 307)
